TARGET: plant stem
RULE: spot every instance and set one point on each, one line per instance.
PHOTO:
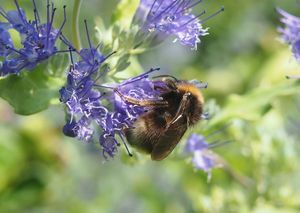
(75, 24)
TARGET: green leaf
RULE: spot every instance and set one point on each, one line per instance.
(123, 63)
(125, 12)
(252, 105)
(58, 64)
(30, 92)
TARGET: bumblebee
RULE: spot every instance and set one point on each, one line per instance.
(159, 130)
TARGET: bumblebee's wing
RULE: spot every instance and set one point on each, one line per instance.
(168, 141)
(174, 131)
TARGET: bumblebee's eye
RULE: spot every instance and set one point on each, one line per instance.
(188, 94)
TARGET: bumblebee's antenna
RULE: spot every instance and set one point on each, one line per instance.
(168, 76)
(222, 129)
(218, 143)
(205, 116)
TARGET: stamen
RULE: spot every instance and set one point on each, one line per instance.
(102, 95)
(52, 6)
(71, 56)
(182, 5)
(161, 2)
(144, 75)
(87, 33)
(66, 42)
(36, 13)
(3, 13)
(169, 7)
(152, 6)
(193, 19)
(19, 11)
(187, 3)
(35, 18)
(15, 50)
(100, 45)
(48, 20)
(92, 69)
(106, 57)
(50, 25)
(150, 71)
(213, 15)
(22, 67)
(63, 24)
(135, 79)
(48, 12)
(105, 71)
(190, 6)
(88, 37)
(179, 6)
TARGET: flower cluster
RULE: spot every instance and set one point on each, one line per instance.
(87, 106)
(38, 39)
(78, 94)
(203, 158)
(97, 110)
(291, 31)
(109, 110)
(171, 17)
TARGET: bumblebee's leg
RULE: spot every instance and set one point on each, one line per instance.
(155, 103)
(180, 111)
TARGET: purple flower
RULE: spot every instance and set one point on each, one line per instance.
(290, 33)
(38, 39)
(5, 40)
(203, 158)
(171, 17)
(82, 100)
(195, 142)
(70, 129)
(109, 145)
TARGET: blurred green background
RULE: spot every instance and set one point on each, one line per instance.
(244, 63)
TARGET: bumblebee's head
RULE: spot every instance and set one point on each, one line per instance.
(194, 101)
